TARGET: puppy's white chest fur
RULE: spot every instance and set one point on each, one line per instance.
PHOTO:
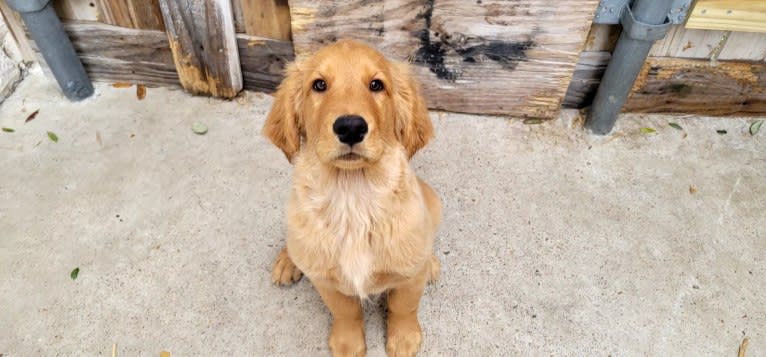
(354, 208)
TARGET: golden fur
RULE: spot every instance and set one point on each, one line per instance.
(363, 225)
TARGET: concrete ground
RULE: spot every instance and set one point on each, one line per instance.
(554, 242)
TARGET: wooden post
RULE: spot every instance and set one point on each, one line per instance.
(204, 45)
(137, 14)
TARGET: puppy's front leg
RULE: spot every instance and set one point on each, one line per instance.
(347, 334)
(403, 334)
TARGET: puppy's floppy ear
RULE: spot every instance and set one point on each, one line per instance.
(413, 125)
(283, 127)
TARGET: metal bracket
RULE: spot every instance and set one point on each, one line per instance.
(610, 11)
(641, 31)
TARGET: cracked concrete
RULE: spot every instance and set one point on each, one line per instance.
(554, 242)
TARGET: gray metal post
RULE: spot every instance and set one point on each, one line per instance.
(46, 30)
(645, 23)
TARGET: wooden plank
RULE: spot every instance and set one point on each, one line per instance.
(118, 54)
(587, 76)
(266, 18)
(520, 55)
(699, 87)
(137, 14)
(76, 9)
(690, 43)
(16, 26)
(204, 46)
(263, 61)
(239, 20)
(729, 15)
(602, 37)
(744, 46)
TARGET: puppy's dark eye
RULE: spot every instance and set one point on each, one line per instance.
(319, 85)
(376, 85)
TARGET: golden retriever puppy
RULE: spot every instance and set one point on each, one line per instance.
(359, 221)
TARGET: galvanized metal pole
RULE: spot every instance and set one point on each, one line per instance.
(46, 30)
(644, 24)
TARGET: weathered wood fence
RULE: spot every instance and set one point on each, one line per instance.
(512, 57)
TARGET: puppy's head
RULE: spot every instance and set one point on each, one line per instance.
(349, 105)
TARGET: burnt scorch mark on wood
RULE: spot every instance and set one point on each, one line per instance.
(507, 54)
(433, 52)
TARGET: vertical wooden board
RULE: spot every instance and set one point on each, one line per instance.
(16, 26)
(491, 56)
(239, 20)
(602, 37)
(266, 18)
(749, 46)
(137, 14)
(85, 10)
(204, 46)
(689, 43)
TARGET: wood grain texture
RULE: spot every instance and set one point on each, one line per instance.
(689, 43)
(16, 26)
(263, 61)
(587, 76)
(602, 37)
(744, 46)
(266, 18)
(117, 54)
(76, 9)
(137, 14)
(673, 85)
(204, 45)
(699, 87)
(520, 54)
(729, 15)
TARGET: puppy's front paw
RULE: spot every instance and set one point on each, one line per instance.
(347, 339)
(404, 336)
(284, 271)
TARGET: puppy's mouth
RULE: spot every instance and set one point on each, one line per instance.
(350, 157)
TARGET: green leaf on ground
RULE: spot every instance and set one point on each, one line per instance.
(721, 132)
(74, 273)
(648, 130)
(532, 121)
(675, 126)
(8, 130)
(755, 127)
(199, 128)
(53, 137)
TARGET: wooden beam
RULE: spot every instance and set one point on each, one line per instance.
(729, 15)
(674, 85)
(204, 46)
(519, 55)
(699, 87)
(137, 14)
(266, 18)
(118, 54)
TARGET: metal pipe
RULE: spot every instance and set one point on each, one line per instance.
(46, 30)
(643, 24)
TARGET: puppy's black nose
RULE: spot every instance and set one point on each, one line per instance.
(350, 129)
